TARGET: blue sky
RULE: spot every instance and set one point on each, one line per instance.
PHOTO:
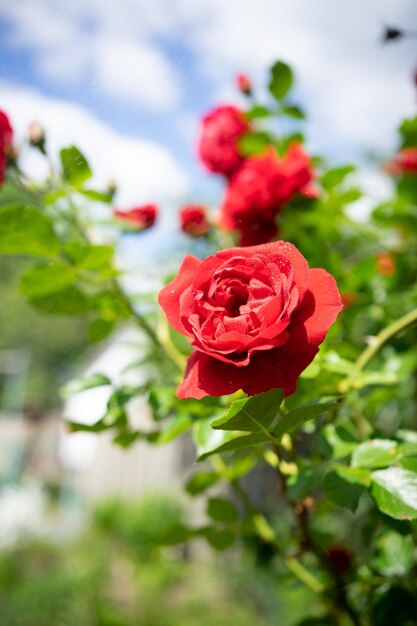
(128, 81)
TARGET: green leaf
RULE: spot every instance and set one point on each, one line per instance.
(395, 492)
(46, 278)
(253, 143)
(341, 491)
(252, 414)
(408, 132)
(200, 481)
(89, 257)
(409, 463)
(293, 111)
(98, 196)
(100, 328)
(281, 80)
(81, 384)
(236, 443)
(75, 167)
(257, 111)
(25, 230)
(126, 438)
(220, 539)
(221, 510)
(177, 425)
(340, 441)
(375, 453)
(302, 414)
(333, 177)
(303, 483)
(69, 301)
(394, 554)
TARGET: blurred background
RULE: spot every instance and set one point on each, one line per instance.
(81, 520)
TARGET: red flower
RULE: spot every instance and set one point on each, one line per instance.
(139, 218)
(221, 128)
(259, 189)
(404, 162)
(385, 263)
(244, 84)
(340, 559)
(6, 139)
(194, 220)
(255, 316)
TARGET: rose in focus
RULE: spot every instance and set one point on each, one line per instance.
(255, 316)
(220, 131)
(193, 220)
(139, 218)
(259, 189)
(6, 143)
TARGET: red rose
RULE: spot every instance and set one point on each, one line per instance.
(6, 140)
(221, 128)
(259, 189)
(194, 220)
(404, 162)
(255, 316)
(139, 218)
(244, 84)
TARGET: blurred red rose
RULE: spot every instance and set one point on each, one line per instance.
(340, 559)
(244, 84)
(194, 220)
(385, 263)
(6, 141)
(139, 218)
(221, 129)
(259, 189)
(404, 162)
(256, 317)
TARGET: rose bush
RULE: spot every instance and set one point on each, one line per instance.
(256, 317)
(220, 130)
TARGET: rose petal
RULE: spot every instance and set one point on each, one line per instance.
(169, 296)
(206, 376)
(319, 309)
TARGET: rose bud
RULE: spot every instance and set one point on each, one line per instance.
(404, 162)
(255, 317)
(385, 264)
(139, 218)
(340, 559)
(244, 84)
(220, 130)
(7, 153)
(194, 220)
(36, 135)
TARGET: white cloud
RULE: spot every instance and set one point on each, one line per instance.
(354, 90)
(137, 73)
(75, 42)
(144, 170)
